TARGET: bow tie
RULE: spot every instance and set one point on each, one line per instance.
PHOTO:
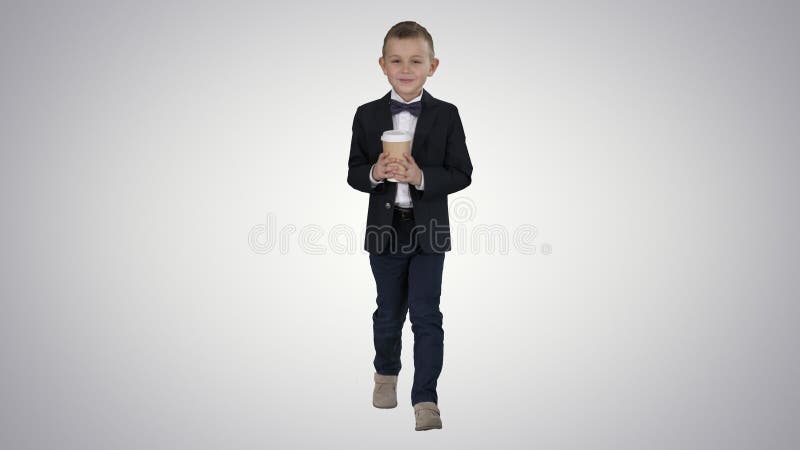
(414, 108)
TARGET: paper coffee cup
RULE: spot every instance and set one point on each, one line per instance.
(396, 143)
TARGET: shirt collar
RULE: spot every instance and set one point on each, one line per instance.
(396, 96)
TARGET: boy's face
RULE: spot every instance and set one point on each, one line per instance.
(407, 65)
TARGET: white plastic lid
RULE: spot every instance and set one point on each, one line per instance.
(396, 136)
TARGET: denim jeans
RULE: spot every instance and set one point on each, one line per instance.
(409, 281)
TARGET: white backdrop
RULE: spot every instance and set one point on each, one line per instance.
(147, 146)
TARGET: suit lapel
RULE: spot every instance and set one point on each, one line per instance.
(424, 122)
(386, 114)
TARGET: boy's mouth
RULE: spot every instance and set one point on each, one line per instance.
(406, 81)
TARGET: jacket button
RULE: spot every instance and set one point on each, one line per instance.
(387, 205)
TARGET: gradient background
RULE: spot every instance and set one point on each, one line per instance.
(654, 147)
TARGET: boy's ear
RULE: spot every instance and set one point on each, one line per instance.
(380, 63)
(434, 65)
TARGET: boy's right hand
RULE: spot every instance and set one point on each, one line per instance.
(384, 167)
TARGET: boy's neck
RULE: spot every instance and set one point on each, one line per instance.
(412, 97)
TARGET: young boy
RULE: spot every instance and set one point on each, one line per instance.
(408, 228)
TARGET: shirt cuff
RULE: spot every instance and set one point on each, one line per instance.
(372, 180)
(421, 186)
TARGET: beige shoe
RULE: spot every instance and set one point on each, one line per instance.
(428, 417)
(384, 395)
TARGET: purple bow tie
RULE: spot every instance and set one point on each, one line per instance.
(414, 108)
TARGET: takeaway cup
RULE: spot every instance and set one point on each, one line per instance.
(396, 143)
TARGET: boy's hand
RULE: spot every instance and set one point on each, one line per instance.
(406, 170)
(381, 170)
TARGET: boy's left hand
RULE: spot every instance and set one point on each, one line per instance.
(409, 171)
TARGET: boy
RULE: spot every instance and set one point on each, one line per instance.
(407, 261)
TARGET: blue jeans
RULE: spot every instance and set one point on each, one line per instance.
(408, 280)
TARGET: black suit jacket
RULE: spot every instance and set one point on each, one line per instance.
(439, 149)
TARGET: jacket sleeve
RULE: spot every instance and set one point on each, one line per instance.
(456, 172)
(359, 166)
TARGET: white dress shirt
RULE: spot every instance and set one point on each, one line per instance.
(405, 121)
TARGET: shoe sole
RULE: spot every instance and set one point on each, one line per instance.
(384, 407)
(432, 427)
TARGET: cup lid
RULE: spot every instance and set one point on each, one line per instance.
(396, 136)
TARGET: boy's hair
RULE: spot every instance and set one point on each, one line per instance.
(408, 29)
